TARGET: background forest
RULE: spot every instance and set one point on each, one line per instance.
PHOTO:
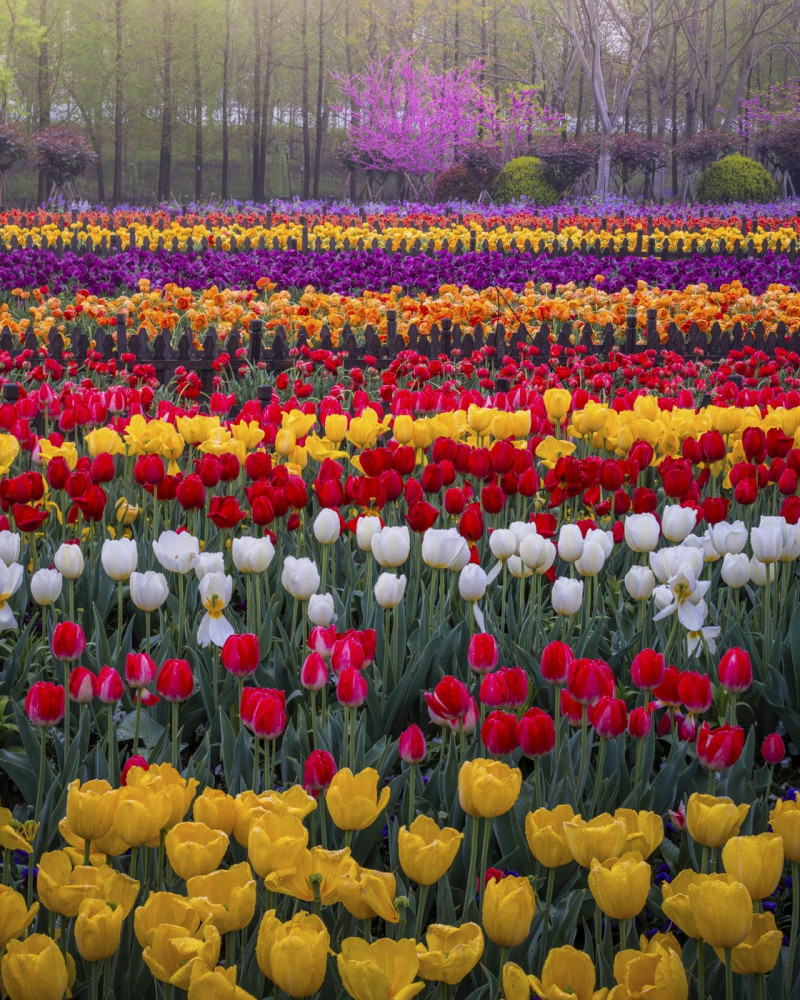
(212, 99)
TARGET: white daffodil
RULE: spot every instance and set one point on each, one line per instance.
(687, 599)
(215, 591)
(707, 635)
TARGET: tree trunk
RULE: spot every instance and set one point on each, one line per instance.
(43, 93)
(258, 123)
(226, 60)
(321, 116)
(116, 196)
(101, 179)
(198, 116)
(304, 109)
(165, 158)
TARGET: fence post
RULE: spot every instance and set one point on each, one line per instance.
(122, 335)
(256, 326)
(630, 333)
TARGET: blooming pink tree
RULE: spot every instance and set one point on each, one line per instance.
(404, 118)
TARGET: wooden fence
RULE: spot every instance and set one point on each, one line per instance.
(272, 351)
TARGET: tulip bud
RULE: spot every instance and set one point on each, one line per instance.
(735, 569)
(45, 703)
(640, 723)
(719, 748)
(678, 522)
(314, 673)
(516, 681)
(81, 685)
(570, 543)
(502, 543)
(694, 690)
(322, 640)
(46, 586)
(482, 653)
(735, 670)
(69, 561)
(252, 555)
(109, 686)
(175, 681)
(300, 577)
(411, 745)
(639, 582)
(499, 733)
(567, 596)
(140, 670)
(389, 590)
(647, 669)
(773, 749)
(555, 662)
(327, 526)
(351, 688)
(119, 558)
(318, 771)
(609, 717)
(536, 733)
(366, 529)
(642, 532)
(69, 641)
(136, 761)
(590, 680)
(148, 590)
(240, 654)
(268, 719)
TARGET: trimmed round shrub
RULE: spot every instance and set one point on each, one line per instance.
(523, 179)
(735, 178)
(458, 183)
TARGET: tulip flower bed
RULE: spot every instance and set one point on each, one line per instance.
(405, 682)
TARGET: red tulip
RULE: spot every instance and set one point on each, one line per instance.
(609, 717)
(517, 683)
(140, 670)
(269, 715)
(421, 516)
(318, 772)
(499, 733)
(719, 748)
(754, 443)
(225, 512)
(411, 745)
(494, 690)
(175, 681)
(647, 669)
(57, 472)
(69, 641)
(482, 652)
(28, 519)
(136, 761)
(667, 691)
(449, 700)
(103, 470)
(109, 686)
(773, 749)
(241, 654)
(149, 470)
(322, 640)
(190, 493)
(351, 688)
(735, 671)
(82, 685)
(45, 703)
(314, 673)
(348, 654)
(694, 690)
(640, 723)
(571, 708)
(536, 733)
(589, 680)
(556, 660)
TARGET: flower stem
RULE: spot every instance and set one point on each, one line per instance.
(473, 854)
(422, 900)
(728, 975)
(66, 711)
(487, 833)
(174, 733)
(701, 969)
(412, 776)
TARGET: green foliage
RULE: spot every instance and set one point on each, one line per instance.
(735, 178)
(457, 183)
(523, 179)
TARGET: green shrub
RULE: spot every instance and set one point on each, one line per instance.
(735, 178)
(523, 178)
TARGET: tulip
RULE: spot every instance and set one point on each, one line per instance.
(69, 642)
(176, 551)
(353, 800)
(45, 704)
(215, 592)
(597, 839)
(694, 690)
(449, 700)
(149, 590)
(735, 570)
(367, 894)
(609, 717)
(566, 972)
(719, 748)
(758, 953)
(472, 583)
(450, 953)
(767, 542)
(69, 561)
(140, 670)
(90, 808)
(300, 577)
(208, 562)
(194, 849)
(502, 543)
(109, 686)
(658, 971)
(567, 596)
(389, 589)
(318, 772)
(390, 546)
(536, 733)
(411, 746)
(172, 950)
(175, 681)
(757, 862)
(544, 832)
(252, 555)
(555, 663)
(275, 843)
(240, 654)
(46, 586)
(9, 547)
(327, 527)
(15, 915)
(570, 543)
(713, 821)
(591, 560)
(620, 885)
(723, 911)
(384, 969)
(98, 927)
(482, 652)
(320, 610)
(34, 969)
(640, 723)
(294, 954)
(639, 582)
(444, 548)
(642, 532)
(366, 529)
(215, 808)
(227, 898)
(426, 852)
(313, 673)
(119, 558)
(215, 984)
(647, 669)
(590, 680)
(82, 685)
(488, 788)
(557, 403)
(351, 688)
(773, 749)
(677, 522)
(516, 984)
(735, 671)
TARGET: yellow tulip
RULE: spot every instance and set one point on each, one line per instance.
(164, 908)
(600, 838)
(294, 954)
(227, 898)
(15, 917)
(520, 423)
(712, 821)
(759, 952)
(11, 833)
(645, 830)
(508, 909)
(403, 428)
(249, 433)
(557, 403)
(195, 849)
(97, 929)
(275, 843)
(544, 831)
(723, 912)
(488, 788)
(104, 441)
(9, 449)
(676, 904)
(336, 427)
(140, 814)
(216, 809)
(657, 972)
(479, 418)
(426, 851)
(784, 819)
(168, 782)
(48, 451)
(516, 982)
(285, 442)
(366, 894)
(215, 984)
(757, 862)
(620, 885)
(567, 972)
(352, 799)
(171, 952)
(383, 970)
(195, 430)
(449, 953)
(125, 513)
(90, 808)
(550, 449)
(62, 889)
(34, 969)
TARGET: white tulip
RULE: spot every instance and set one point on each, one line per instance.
(520, 530)
(728, 537)
(10, 581)
(208, 562)
(641, 532)
(148, 590)
(444, 548)
(758, 572)
(766, 541)
(517, 568)
(677, 522)
(735, 569)
(389, 590)
(215, 592)
(9, 547)
(46, 586)
(472, 582)
(366, 529)
(327, 526)
(530, 550)
(602, 538)
(252, 555)
(320, 609)
(69, 561)
(666, 562)
(391, 546)
(300, 577)
(175, 551)
(791, 547)
(119, 557)
(502, 543)
(662, 597)
(567, 596)
(570, 542)
(547, 556)
(639, 582)
(591, 560)
(703, 544)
